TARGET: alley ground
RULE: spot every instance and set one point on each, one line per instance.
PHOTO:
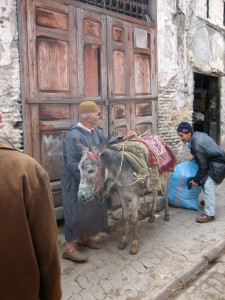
(170, 255)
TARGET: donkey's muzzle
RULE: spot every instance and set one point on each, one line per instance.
(86, 194)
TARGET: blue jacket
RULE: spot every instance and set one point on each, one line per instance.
(209, 156)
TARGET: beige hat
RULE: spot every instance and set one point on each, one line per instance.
(88, 107)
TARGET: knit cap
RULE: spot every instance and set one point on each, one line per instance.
(88, 107)
(184, 127)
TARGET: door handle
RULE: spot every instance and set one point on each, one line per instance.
(106, 102)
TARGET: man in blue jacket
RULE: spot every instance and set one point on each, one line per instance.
(82, 219)
(211, 161)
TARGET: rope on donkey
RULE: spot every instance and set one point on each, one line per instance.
(142, 170)
(106, 193)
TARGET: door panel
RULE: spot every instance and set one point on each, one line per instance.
(118, 59)
(52, 60)
(92, 77)
(119, 73)
(51, 152)
(52, 96)
(92, 63)
(142, 73)
(131, 73)
(119, 117)
(91, 49)
(52, 19)
(144, 116)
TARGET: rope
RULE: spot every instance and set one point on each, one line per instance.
(112, 184)
(142, 171)
(145, 133)
(139, 177)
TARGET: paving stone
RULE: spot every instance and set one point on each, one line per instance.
(101, 273)
(93, 277)
(70, 289)
(117, 279)
(86, 294)
(128, 291)
(83, 282)
(107, 286)
(138, 266)
(130, 272)
(98, 292)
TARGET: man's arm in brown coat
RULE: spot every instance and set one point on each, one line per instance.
(44, 233)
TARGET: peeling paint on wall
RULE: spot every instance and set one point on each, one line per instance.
(188, 42)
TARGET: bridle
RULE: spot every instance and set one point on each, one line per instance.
(98, 184)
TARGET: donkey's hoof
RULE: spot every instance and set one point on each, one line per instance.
(134, 249)
(151, 219)
(167, 217)
(122, 245)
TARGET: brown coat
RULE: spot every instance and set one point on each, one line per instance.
(29, 262)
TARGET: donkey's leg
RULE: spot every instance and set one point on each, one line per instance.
(165, 193)
(134, 224)
(154, 205)
(124, 240)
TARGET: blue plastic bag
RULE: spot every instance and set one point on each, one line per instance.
(178, 193)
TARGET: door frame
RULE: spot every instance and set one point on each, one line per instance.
(207, 99)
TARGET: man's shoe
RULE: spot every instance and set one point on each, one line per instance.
(89, 243)
(203, 218)
(74, 255)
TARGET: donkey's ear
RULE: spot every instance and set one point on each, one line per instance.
(79, 146)
(99, 148)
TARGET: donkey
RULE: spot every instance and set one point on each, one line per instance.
(109, 164)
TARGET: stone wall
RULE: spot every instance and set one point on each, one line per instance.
(10, 99)
(188, 42)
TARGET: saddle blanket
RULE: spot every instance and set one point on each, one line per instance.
(159, 153)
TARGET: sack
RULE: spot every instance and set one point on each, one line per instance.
(178, 193)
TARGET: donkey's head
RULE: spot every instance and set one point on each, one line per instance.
(91, 174)
(89, 168)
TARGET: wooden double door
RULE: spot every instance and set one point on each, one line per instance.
(70, 54)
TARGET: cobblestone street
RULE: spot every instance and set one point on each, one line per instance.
(171, 253)
(208, 285)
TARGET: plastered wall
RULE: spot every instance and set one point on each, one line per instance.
(188, 42)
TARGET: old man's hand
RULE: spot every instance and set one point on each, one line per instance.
(130, 135)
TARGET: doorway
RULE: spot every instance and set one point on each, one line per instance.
(206, 105)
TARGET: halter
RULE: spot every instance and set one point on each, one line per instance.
(93, 155)
(98, 184)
